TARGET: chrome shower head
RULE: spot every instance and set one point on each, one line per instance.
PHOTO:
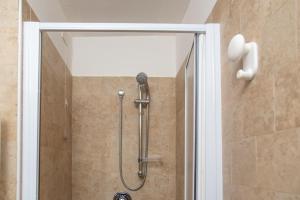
(141, 78)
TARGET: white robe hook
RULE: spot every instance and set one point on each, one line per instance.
(239, 49)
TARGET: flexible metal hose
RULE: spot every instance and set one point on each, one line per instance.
(145, 159)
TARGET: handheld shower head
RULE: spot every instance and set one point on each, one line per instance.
(141, 78)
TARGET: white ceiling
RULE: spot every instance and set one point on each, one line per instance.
(109, 11)
(132, 11)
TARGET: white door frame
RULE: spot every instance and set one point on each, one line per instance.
(208, 135)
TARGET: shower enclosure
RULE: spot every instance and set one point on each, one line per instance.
(203, 150)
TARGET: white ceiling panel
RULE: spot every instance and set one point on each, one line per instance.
(139, 11)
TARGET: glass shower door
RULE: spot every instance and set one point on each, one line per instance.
(190, 127)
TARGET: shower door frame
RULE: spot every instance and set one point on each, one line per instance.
(207, 130)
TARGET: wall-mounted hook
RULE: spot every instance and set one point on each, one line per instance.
(239, 49)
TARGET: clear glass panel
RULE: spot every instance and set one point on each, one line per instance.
(190, 127)
(80, 127)
(55, 125)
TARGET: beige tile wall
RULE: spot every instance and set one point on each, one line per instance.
(27, 13)
(55, 137)
(8, 97)
(95, 138)
(261, 118)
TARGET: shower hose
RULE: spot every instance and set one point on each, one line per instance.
(145, 159)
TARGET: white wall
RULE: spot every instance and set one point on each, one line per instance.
(196, 13)
(51, 11)
(124, 56)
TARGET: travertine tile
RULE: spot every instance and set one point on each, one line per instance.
(247, 117)
(95, 118)
(252, 19)
(258, 116)
(8, 170)
(8, 97)
(227, 163)
(180, 140)
(9, 46)
(56, 138)
(251, 193)
(227, 191)
(278, 161)
(272, 6)
(286, 196)
(286, 70)
(244, 162)
(9, 16)
(233, 123)
(255, 110)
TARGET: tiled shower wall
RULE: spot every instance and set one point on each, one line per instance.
(261, 118)
(8, 97)
(55, 133)
(95, 127)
